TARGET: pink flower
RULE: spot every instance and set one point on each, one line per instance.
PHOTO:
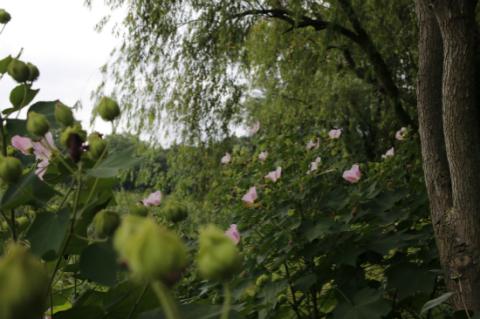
(233, 233)
(250, 196)
(389, 153)
(254, 128)
(401, 134)
(334, 134)
(313, 144)
(43, 150)
(23, 144)
(274, 175)
(314, 165)
(226, 158)
(352, 175)
(42, 168)
(263, 156)
(153, 199)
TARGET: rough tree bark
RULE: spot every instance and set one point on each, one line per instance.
(450, 139)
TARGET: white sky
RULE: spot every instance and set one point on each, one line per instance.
(58, 36)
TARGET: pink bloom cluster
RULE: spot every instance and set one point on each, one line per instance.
(401, 134)
(390, 153)
(263, 156)
(43, 150)
(313, 144)
(154, 199)
(254, 128)
(314, 165)
(233, 233)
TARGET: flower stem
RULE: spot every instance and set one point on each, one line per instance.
(227, 302)
(166, 300)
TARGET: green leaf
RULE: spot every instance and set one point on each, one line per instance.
(4, 64)
(98, 263)
(16, 127)
(193, 311)
(28, 190)
(90, 312)
(435, 302)
(366, 304)
(47, 233)
(420, 280)
(21, 96)
(305, 282)
(114, 163)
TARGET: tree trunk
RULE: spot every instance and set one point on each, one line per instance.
(453, 189)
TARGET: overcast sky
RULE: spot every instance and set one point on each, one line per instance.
(59, 37)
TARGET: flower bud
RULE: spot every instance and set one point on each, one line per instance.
(37, 124)
(174, 211)
(218, 257)
(138, 210)
(151, 251)
(33, 72)
(10, 169)
(108, 109)
(96, 146)
(18, 70)
(63, 114)
(70, 132)
(24, 285)
(4, 16)
(105, 223)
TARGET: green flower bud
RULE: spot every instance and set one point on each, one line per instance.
(218, 257)
(33, 72)
(10, 169)
(108, 109)
(75, 129)
(151, 251)
(63, 114)
(24, 285)
(37, 124)
(105, 223)
(4, 17)
(96, 146)
(174, 211)
(138, 210)
(18, 70)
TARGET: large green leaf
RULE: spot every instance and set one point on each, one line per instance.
(193, 311)
(366, 304)
(98, 263)
(28, 190)
(420, 280)
(90, 312)
(16, 127)
(21, 96)
(47, 233)
(114, 163)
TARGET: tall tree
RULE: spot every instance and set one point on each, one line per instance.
(450, 135)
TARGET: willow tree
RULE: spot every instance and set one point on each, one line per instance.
(190, 61)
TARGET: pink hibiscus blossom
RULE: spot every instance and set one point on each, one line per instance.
(274, 175)
(334, 134)
(226, 158)
(254, 128)
(23, 144)
(352, 175)
(389, 153)
(401, 134)
(153, 199)
(312, 144)
(250, 196)
(263, 156)
(314, 165)
(233, 233)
